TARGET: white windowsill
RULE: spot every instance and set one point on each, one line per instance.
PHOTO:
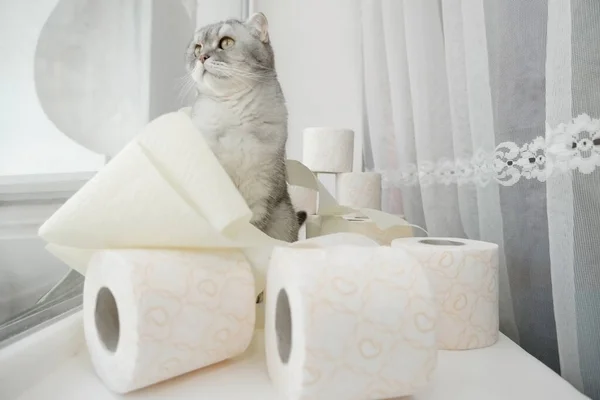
(39, 183)
(54, 364)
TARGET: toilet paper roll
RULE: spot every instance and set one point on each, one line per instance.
(359, 189)
(318, 225)
(348, 322)
(303, 199)
(328, 149)
(150, 315)
(464, 277)
(321, 241)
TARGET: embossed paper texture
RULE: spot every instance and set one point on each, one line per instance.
(328, 149)
(359, 189)
(177, 311)
(362, 323)
(464, 279)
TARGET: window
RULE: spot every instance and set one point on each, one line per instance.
(80, 78)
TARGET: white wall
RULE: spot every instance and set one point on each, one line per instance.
(318, 58)
(211, 11)
(85, 76)
(173, 26)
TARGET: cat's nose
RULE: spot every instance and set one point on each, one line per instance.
(204, 57)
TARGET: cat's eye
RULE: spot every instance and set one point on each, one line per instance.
(226, 42)
(197, 50)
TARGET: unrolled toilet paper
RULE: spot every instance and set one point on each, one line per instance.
(147, 197)
(300, 175)
(464, 277)
(150, 315)
(359, 189)
(303, 199)
(351, 322)
(317, 225)
(328, 149)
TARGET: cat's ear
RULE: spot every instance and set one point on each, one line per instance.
(258, 22)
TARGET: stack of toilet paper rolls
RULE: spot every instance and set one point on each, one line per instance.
(345, 317)
(327, 152)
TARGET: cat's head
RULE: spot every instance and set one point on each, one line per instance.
(230, 56)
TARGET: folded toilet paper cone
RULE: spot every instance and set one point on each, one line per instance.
(464, 278)
(150, 315)
(348, 321)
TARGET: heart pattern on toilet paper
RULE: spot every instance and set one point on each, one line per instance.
(178, 311)
(465, 283)
(368, 322)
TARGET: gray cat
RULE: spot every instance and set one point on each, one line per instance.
(240, 110)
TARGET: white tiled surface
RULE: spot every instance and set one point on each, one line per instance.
(501, 372)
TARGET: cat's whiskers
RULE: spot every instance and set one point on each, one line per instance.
(234, 72)
(252, 74)
(218, 67)
(235, 76)
(186, 84)
(261, 67)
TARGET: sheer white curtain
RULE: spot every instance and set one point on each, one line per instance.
(481, 116)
